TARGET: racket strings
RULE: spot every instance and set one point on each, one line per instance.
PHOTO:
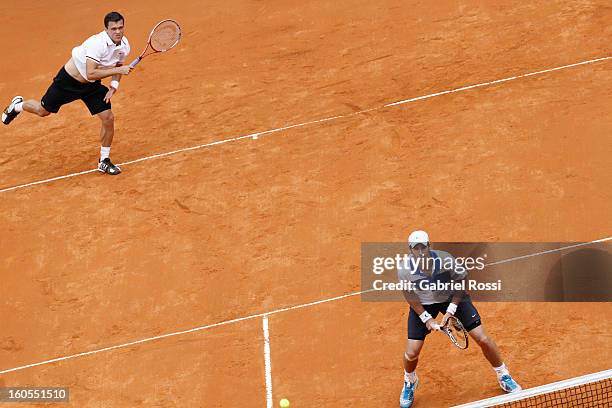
(450, 334)
(165, 36)
(456, 332)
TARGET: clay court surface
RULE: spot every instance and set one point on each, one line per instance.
(253, 226)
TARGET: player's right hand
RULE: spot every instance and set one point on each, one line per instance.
(432, 325)
(124, 70)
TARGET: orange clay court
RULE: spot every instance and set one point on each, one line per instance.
(246, 227)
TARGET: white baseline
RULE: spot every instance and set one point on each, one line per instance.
(297, 125)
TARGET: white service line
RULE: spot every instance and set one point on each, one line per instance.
(550, 251)
(498, 81)
(267, 362)
(178, 333)
(241, 319)
(328, 119)
(34, 183)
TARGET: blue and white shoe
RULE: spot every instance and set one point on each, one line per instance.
(10, 113)
(407, 395)
(508, 384)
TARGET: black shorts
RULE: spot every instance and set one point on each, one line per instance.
(466, 313)
(66, 89)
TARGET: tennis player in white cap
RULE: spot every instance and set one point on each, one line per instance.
(425, 305)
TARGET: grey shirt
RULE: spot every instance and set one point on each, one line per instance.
(444, 271)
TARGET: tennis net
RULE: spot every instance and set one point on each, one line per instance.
(593, 390)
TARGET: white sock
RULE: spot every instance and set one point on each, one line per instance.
(18, 107)
(501, 370)
(104, 152)
(410, 377)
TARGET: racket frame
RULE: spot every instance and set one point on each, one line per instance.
(459, 326)
(142, 54)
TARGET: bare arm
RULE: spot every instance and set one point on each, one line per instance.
(117, 77)
(414, 302)
(416, 305)
(95, 72)
(458, 296)
(114, 85)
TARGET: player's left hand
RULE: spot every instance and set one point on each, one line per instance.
(445, 318)
(109, 94)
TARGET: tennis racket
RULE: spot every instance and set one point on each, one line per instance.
(455, 331)
(164, 36)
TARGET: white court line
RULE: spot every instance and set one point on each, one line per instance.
(498, 81)
(241, 319)
(195, 329)
(280, 129)
(49, 180)
(550, 251)
(268, 362)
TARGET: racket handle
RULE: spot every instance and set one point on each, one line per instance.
(135, 62)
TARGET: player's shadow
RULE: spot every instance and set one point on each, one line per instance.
(584, 275)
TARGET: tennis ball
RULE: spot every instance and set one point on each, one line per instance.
(284, 403)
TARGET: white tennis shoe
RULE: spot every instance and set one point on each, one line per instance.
(9, 112)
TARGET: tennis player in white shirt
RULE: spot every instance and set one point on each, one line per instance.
(101, 56)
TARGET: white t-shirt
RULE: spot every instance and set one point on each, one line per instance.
(100, 48)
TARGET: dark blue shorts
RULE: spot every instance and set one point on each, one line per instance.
(466, 313)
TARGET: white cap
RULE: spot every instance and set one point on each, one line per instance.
(418, 237)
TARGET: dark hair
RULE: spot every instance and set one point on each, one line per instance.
(112, 16)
